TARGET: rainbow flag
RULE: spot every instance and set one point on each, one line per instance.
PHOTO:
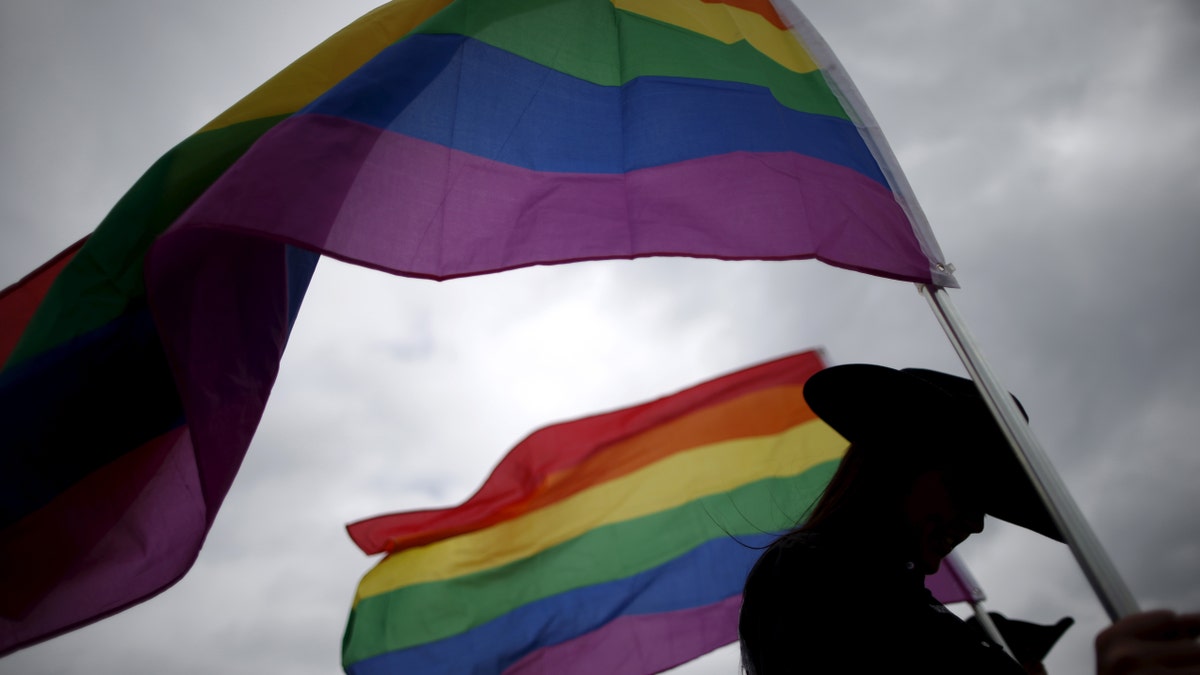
(431, 139)
(610, 544)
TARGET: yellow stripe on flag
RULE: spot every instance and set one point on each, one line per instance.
(330, 62)
(676, 480)
(727, 24)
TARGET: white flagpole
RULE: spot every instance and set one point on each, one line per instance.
(1114, 595)
(989, 627)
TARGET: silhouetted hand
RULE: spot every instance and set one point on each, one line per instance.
(1148, 643)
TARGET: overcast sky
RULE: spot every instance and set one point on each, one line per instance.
(1054, 147)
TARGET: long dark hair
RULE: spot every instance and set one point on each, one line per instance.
(863, 496)
(862, 500)
(863, 493)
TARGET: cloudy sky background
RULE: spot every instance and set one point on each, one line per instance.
(1053, 146)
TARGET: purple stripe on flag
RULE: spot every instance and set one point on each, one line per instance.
(226, 362)
(640, 643)
(152, 547)
(419, 209)
(953, 583)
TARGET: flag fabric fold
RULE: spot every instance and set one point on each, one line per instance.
(431, 139)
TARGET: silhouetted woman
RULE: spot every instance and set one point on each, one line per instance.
(845, 593)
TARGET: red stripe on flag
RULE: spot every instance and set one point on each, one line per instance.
(19, 301)
(519, 481)
(760, 7)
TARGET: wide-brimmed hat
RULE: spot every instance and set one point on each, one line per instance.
(925, 418)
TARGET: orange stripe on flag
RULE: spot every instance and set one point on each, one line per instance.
(763, 8)
(758, 401)
(762, 413)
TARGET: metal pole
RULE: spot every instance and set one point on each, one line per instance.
(1114, 595)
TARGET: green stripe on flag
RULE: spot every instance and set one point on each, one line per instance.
(432, 611)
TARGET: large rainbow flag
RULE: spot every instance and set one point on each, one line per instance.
(431, 139)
